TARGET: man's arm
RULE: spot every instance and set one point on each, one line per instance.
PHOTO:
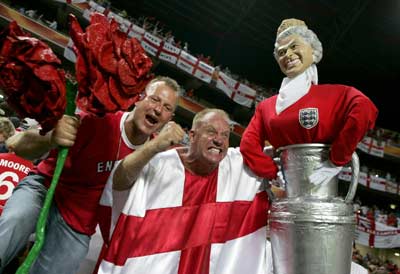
(31, 145)
(129, 169)
(361, 114)
(252, 145)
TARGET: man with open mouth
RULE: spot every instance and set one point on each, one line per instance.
(96, 143)
(189, 210)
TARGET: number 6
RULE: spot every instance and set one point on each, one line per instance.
(10, 186)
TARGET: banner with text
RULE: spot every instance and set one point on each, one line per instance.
(187, 62)
(169, 53)
(151, 44)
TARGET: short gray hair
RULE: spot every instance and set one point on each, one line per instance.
(200, 115)
(168, 81)
(308, 35)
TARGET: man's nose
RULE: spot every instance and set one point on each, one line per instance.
(289, 52)
(158, 108)
(218, 140)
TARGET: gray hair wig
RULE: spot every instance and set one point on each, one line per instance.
(308, 35)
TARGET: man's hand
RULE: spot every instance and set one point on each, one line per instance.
(130, 167)
(324, 173)
(29, 144)
(64, 133)
(170, 135)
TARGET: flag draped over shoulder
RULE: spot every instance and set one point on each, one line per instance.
(177, 222)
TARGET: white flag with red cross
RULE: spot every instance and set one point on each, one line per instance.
(152, 44)
(136, 31)
(187, 62)
(203, 72)
(238, 92)
(175, 222)
(169, 53)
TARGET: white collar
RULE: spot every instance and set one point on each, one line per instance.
(292, 89)
(124, 136)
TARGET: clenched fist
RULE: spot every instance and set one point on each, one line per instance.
(171, 134)
(64, 133)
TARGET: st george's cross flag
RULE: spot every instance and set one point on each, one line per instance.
(175, 222)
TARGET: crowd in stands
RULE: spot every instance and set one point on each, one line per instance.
(389, 217)
(157, 28)
(390, 137)
(39, 18)
(374, 264)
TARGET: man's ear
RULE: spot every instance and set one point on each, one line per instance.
(191, 135)
(141, 97)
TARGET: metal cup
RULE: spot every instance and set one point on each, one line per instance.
(312, 229)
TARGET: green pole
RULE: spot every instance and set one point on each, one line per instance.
(41, 224)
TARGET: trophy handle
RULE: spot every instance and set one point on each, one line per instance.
(355, 172)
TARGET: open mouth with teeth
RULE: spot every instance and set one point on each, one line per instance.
(292, 63)
(151, 119)
(215, 150)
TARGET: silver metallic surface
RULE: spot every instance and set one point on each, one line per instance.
(312, 229)
(297, 163)
(355, 168)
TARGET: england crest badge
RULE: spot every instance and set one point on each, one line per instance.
(308, 117)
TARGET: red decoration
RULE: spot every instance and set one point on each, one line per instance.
(30, 77)
(111, 69)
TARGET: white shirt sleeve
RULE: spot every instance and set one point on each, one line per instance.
(357, 269)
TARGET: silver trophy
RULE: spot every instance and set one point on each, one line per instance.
(312, 228)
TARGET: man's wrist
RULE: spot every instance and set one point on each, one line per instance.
(50, 140)
(153, 147)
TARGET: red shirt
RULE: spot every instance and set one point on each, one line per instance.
(12, 170)
(98, 145)
(342, 116)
